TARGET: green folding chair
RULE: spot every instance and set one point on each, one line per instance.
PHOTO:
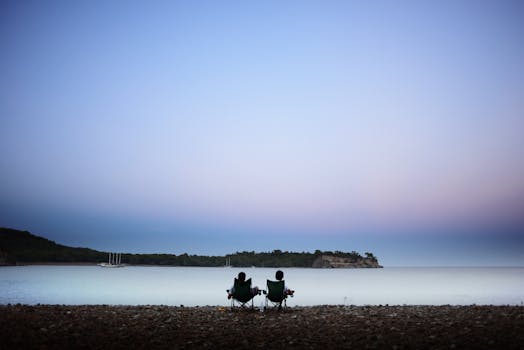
(275, 295)
(242, 294)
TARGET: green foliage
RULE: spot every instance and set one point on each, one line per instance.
(370, 256)
(21, 246)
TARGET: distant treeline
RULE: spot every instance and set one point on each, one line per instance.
(275, 258)
(18, 247)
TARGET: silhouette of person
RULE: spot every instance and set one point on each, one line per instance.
(241, 278)
(279, 275)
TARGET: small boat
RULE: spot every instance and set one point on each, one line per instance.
(115, 260)
(228, 262)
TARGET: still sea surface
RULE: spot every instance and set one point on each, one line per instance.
(199, 286)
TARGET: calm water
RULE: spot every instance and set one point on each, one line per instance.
(206, 286)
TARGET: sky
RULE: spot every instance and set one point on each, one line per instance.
(210, 127)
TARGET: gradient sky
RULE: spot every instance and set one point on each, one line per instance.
(215, 126)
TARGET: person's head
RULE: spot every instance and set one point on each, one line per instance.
(279, 275)
(241, 276)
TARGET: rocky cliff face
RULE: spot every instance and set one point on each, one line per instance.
(327, 261)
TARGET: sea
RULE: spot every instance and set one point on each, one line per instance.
(201, 286)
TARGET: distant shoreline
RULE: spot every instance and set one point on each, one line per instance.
(22, 247)
(256, 267)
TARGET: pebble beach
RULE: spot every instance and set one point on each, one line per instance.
(219, 327)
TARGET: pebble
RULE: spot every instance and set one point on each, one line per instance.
(319, 327)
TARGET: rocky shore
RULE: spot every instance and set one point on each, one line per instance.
(336, 262)
(319, 327)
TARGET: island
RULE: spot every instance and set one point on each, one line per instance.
(22, 248)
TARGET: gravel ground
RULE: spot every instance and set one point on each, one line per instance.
(326, 327)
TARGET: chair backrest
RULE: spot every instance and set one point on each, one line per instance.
(242, 291)
(275, 291)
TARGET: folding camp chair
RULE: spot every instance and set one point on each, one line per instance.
(242, 294)
(275, 294)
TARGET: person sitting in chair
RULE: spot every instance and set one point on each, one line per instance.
(279, 275)
(241, 278)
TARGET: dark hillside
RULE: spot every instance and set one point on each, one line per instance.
(22, 246)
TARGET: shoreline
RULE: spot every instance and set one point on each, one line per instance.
(310, 327)
(153, 265)
(259, 267)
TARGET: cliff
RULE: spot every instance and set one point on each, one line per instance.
(328, 261)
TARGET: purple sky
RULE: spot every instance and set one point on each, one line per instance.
(216, 126)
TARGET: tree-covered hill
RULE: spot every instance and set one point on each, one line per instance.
(23, 247)
(19, 247)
